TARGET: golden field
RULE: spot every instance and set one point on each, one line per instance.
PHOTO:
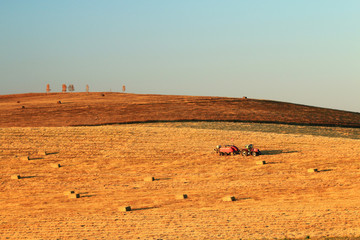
(107, 166)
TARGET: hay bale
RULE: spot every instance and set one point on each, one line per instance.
(25, 158)
(42, 153)
(149, 179)
(74, 195)
(125, 209)
(55, 165)
(59, 102)
(181, 196)
(311, 170)
(69, 193)
(260, 162)
(15, 177)
(229, 199)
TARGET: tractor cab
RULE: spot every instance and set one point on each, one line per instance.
(249, 147)
(250, 150)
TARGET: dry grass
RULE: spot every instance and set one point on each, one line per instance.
(80, 109)
(107, 166)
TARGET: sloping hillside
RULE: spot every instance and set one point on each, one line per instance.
(107, 166)
(76, 109)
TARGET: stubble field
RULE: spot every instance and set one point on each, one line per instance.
(107, 166)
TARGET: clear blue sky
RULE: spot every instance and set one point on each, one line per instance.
(299, 51)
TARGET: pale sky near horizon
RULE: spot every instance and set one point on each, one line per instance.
(300, 51)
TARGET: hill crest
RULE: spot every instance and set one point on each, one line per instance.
(95, 108)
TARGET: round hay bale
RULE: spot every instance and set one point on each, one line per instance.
(74, 195)
(42, 153)
(15, 177)
(149, 179)
(55, 165)
(229, 199)
(59, 102)
(181, 196)
(125, 209)
(25, 158)
(69, 192)
(260, 162)
(311, 170)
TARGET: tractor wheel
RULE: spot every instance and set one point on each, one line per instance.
(254, 154)
(233, 153)
(244, 153)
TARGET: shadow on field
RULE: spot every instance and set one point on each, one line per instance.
(51, 153)
(28, 176)
(275, 152)
(86, 194)
(325, 170)
(159, 179)
(36, 158)
(143, 208)
(244, 198)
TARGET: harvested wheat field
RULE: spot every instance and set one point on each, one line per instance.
(164, 181)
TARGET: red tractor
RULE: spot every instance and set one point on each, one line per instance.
(227, 150)
(250, 150)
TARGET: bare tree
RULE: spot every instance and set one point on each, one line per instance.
(87, 88)
(48, 88)
(123, 88)
(71, 88)
(64, 88)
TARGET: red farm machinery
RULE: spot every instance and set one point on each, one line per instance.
(233, 150)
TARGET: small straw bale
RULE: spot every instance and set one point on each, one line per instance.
(15, 177)
(74, 195)
(55, 165)
(229, 199)
(311, 170)
(125, 209)
(42, 153)
(181, 196)
(260, 162)
(69, 192)
(25, 158)
(149, 179)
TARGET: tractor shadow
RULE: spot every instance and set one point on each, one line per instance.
(275, 152)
